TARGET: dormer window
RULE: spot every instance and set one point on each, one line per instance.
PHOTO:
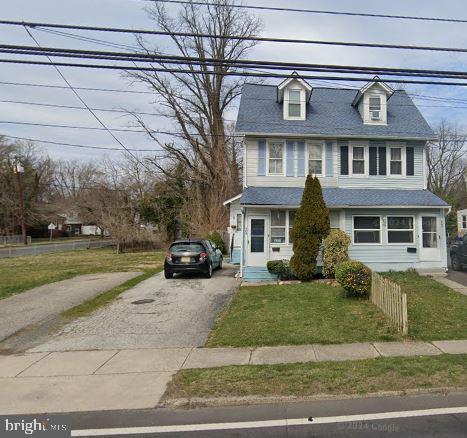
(371, 102)
(294, 94)
(295, 106)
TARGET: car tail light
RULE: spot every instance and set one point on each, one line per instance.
(168, 257)
(203, 256)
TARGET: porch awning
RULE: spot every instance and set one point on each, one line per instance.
(337, 197)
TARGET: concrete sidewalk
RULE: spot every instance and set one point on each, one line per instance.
(74, 381)
(30, 307)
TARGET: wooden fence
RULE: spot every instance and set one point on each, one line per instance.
(388, 297)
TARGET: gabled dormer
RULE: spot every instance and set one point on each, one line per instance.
(294, 93)
(371, 102)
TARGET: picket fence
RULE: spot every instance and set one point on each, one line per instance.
(388, 297)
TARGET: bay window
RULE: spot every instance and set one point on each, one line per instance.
(366, 229)
(400, 229)
(315, 158)
(276, 157)
(278, 226)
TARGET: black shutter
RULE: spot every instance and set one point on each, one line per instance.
(344, 160)
(373, 160)
(410, 161)
(382, 160)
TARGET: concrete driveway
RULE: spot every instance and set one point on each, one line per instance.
(174, 313)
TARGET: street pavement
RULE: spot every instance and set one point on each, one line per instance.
(43, 302)
(74, 381)
(423, 415)
(174, 313)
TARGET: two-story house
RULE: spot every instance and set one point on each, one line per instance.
(366, 146)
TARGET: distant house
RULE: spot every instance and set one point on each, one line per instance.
(367, 147)
(74, 226)
(462, 222)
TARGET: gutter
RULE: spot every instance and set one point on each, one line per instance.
(325, 136)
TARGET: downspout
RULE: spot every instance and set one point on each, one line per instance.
(243, 242)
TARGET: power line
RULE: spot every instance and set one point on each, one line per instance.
(85, 104)
(230, 37)
(77, 145)
(229, 73)
(318, 11)
(191, 60)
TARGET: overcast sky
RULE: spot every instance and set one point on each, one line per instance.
(130, 14)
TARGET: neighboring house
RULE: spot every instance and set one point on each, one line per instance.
(368, 149)
(462, 222)
(74, 226)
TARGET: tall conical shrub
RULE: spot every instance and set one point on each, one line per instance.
(311, 226)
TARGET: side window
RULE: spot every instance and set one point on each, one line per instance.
(291, 222)
(278, 226)
(207, 243)
(239, 222)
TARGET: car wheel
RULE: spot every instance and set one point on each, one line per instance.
(168, 275)
(220, 262)
(455, 264)
(209, 273)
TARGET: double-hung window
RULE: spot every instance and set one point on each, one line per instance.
(400, 229)
(366, 229)
(291, 222)
(295, 106)
(315, 158)
(374, 103)
(464, 221)
(278, 226)
(276, 158)
(395, 161)
(358, 160)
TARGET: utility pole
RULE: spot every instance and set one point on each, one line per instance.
(17, 170)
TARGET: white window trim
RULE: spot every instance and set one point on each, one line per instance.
(323, 156)
(287, 226)
(380, 230)
(390, 146)
(365, 146)
(302, 103)
(284, 158)
(398, 229)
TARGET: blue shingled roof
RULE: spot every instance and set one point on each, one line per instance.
(329, 113)
(336, 197)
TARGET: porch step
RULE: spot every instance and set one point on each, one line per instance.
(257, 274)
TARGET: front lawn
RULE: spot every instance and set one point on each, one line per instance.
(435, 311)
(22, 273)
(309, 379)
(304, 313)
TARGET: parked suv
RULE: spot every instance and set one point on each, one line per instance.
(192, 255)
(458, 254)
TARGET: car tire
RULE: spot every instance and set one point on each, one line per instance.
(220, 263)
(209, 273)
(455, 264)
(168, 275)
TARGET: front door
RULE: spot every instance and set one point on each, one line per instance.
(257, 242)
(429, 242)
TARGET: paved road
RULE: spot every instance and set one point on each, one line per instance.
(30, 250)
(180, 313)
(338, 418)
(43, 302)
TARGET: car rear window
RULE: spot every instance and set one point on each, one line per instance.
(187, 247)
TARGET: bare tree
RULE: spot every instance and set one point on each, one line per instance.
(447, 160)
(197, 103)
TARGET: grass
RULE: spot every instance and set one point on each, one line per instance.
(435, 311)
(336, 378)
(103, 299)
(298, 314)
(19, 274)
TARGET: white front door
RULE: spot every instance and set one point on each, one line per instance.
(257, 241)
(429, 239)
